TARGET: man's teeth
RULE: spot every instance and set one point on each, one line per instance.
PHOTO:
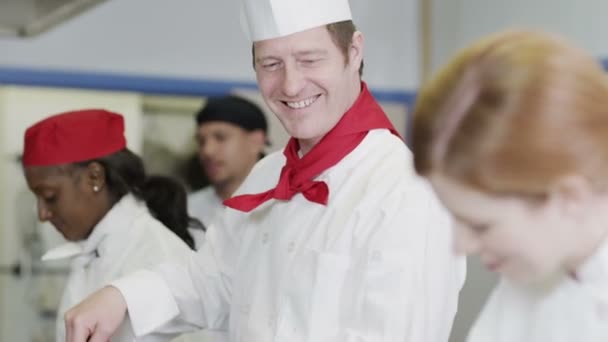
(302, 104)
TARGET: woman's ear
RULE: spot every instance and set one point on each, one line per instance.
(96, 176)
(571, 195)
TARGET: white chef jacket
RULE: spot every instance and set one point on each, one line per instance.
(127, 239)
(205, 205)
(375, 264)
(562, 309)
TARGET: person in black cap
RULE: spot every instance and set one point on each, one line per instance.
(231, 136)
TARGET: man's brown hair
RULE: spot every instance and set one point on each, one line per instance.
(341, 34)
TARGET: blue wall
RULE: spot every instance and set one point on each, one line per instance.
(149, 84)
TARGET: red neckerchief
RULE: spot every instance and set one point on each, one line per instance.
(298, 173)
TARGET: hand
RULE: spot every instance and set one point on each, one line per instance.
(97, 317)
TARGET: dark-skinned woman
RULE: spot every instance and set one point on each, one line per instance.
(95, 192)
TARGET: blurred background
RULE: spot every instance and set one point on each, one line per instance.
(156, 61)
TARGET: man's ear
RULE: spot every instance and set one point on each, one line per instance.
(571, 195)
(257, 141)
(355, 52)
(95, 175)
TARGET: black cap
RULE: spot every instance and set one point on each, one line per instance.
(234, 110)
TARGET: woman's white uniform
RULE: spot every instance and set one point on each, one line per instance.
(563, 309)
(127, 239)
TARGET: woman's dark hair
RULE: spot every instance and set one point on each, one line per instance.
(165, 198)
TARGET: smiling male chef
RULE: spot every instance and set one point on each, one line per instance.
(332, 239)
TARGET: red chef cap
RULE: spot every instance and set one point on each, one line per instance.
(73, 137)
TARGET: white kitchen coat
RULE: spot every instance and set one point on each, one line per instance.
(205, 205)
(127, 239)
(562, 309)
(375, 264)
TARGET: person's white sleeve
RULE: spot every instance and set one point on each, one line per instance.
(176, 298)
(150, 305)
(407, 280)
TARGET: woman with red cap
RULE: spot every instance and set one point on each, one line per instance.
(92, 189)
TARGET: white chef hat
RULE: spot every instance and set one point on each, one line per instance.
(267, 19)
